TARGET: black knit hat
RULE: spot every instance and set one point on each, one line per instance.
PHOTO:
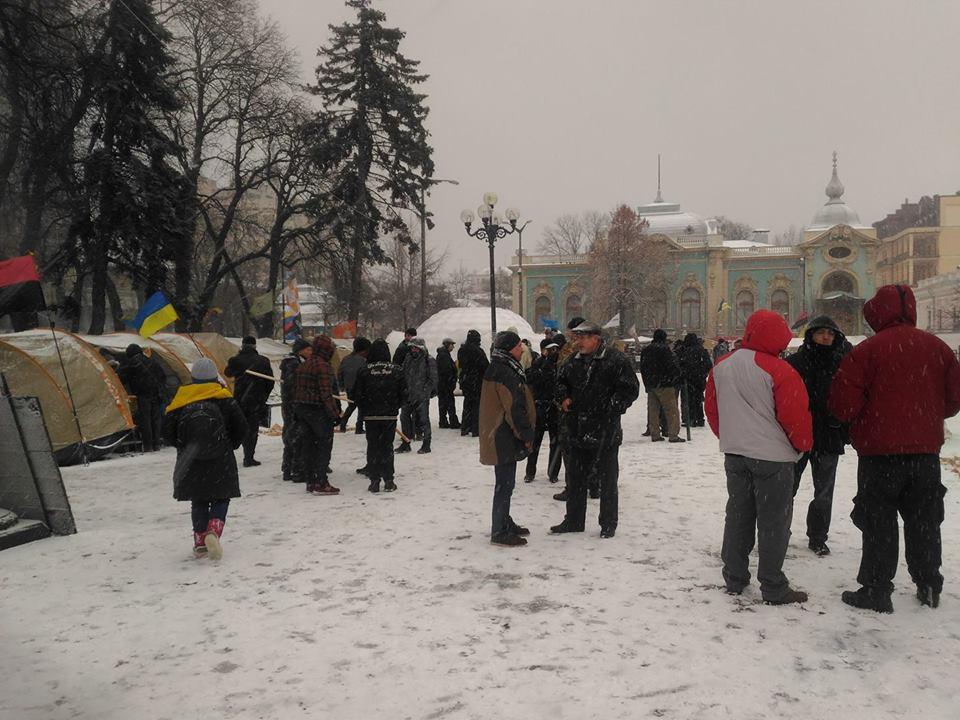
(575, 321)
(299, 345)
(659, 335)
(506, 340)
(133, 349)
(360, 344)
(249, 341)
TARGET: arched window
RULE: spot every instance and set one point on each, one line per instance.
(839, 282)
(574, 307)
(541, 312)
(690, 308)
(780, 303)
(745, 306)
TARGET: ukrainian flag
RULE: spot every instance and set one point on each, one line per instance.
(156, 314)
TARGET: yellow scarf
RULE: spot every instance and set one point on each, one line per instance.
(187, 394)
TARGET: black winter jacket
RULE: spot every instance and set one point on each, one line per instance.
(446, 371)
(473, 364)
(379, 390)
(542, 378)
(817, 364)
(602, 387)
(143, 377)
(288, 368)
(694, 361)
(658, 366)
(250, 391)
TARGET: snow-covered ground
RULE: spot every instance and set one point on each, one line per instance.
(396, 606)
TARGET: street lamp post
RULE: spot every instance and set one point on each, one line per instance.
(513, 216)
(491, 230)
(423, 241)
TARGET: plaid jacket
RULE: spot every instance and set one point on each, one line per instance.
(313, 381)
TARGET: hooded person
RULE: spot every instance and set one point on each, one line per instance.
(507, 419)
(446, 384)
(661, 376)
(817, 361)
(347, 378)
(206, 425)
(316, 414)
(379, 393)
(695, 364)
(299, 353)
(143, 378)
(251, 392)
(420, 379)
(895, 389)
(757, 406)
(473, 364)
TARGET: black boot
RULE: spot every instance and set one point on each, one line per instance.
(561, 496)
(374, 485)
(443, 425)
(928, 596)
(425, 448)
(454, 423)
(403, 447)
(869, 599)
(389, 485)
(363, 471)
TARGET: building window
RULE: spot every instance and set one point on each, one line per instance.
(541, 312)
(780, 303)
(745, 306)
(839, 282)
(690, 308)
(574, 307)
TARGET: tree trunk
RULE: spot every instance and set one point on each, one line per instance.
(98, 290)
(116, 309)
(33, 209)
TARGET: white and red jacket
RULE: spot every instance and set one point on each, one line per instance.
(755, 402)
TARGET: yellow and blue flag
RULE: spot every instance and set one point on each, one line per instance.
(156, 314)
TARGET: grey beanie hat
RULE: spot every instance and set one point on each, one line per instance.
(204, 370)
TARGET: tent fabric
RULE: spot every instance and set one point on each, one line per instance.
(103, 406)
(173, 367)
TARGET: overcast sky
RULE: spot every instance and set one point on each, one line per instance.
(562, 105)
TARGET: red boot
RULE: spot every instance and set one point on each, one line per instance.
(199, 548)
(212, 540)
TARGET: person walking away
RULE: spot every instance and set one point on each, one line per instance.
(316, 415)
(594, 388)
(542, 379)
(379, 393)
(251, 392)
(695, 364)
(895, 389)
(661, 375)
(757, 406)
(420, 378)
(817, 361)
(299, 352)
(206, 425)
(473, 364)
(144, 379)
(507, 418)
(446, 384)
(347, 377)
(404, 347)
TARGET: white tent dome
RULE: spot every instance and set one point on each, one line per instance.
(454, 323)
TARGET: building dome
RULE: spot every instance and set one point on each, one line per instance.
(666, 218)
(835, 211)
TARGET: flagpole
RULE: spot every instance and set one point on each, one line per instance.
(73, 405)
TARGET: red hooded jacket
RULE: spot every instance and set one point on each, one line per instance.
(897, 387)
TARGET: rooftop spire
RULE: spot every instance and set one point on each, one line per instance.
(834, 187)
(659, 196)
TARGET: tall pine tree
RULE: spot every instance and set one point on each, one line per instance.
(127, 215)
(379, 144)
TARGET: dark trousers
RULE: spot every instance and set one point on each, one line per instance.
(289, 438)
(605, 464)
(415, 418)
(346, 416)
(910, 485)
(448, 409)
(691, 402)
(380, 448)
(315, 444)
(506, 476)
(759, 510)
(147, 423)
(203, 511)
(544, 427)
(253, 432)
(471, 414)
(823, 467)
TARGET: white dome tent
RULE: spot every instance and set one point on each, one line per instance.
(454, 323)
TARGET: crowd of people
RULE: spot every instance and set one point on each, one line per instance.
(774, 415)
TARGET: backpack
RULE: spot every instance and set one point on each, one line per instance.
(203, 427)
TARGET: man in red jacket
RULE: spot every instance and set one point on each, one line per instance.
(757, 405)
(896, 389)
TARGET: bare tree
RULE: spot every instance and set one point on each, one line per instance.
(459, 283)
(733, 229)
(565, 236)
(790, 236)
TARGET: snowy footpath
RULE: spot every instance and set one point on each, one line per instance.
(396, 606)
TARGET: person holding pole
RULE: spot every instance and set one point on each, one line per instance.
(251, 392)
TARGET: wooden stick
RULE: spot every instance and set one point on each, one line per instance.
(260, 375)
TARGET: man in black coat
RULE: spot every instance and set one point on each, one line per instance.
(251, 392)
(347, 378)
(473, 364)
(542, 379)
(695, 364)
(404, 347)
(817, 361)
(144, 378)
(379, 393)
(300, 351)
(447, 383)
(661, 376)
(594, 388)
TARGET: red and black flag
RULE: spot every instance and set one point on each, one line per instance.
(20, 289)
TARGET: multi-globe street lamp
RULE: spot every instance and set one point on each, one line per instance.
(492, 229)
